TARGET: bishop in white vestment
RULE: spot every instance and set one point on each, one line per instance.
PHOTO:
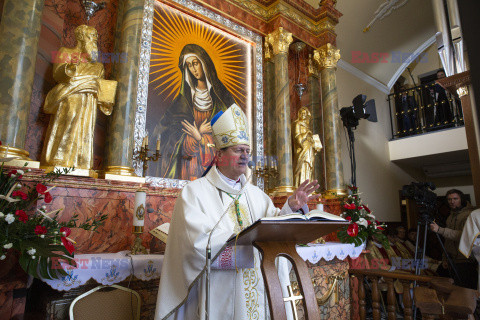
(201, 204)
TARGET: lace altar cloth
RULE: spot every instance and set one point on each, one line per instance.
(329, 251)
(110, 268)
(107, 269)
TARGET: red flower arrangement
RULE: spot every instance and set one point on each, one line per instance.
(22, 216)
(362, 222)
(27, 228)
(352, 230)
(39, 230)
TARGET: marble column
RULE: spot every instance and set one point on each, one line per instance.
(120, 137)
(19, 33)
(327, 57)
(280, 40)
(317, 125)
(269, 112)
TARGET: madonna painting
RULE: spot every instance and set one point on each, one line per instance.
(196, 71)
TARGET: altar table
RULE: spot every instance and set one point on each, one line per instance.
(110, 268)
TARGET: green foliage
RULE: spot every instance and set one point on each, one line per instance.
(29, 229)
(362, 222)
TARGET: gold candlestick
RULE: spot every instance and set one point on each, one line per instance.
(138, 247)
(143, 155)
(267, 172)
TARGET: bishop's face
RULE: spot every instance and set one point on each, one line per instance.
(233, 161)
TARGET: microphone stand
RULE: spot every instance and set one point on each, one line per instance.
(208, 257)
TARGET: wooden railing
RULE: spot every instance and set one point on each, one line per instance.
(405, 279)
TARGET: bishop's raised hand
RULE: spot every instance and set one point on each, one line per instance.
(302, 194)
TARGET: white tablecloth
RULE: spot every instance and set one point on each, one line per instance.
(328, 251)
(108, 268)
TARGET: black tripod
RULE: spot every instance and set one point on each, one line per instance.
(420, 252)
(424, 221)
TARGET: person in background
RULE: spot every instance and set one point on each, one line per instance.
(408, 111)
(401, 233)
(411, 239)
(460, 210)
(443, 116)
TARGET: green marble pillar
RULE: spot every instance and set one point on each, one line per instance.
(120, 142)
(280, 40)
(19, 32)
(327, 57)
(269, 112)
(313, 95)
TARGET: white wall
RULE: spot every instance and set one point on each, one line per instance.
(428, 144)
(378, 179)
(431, 62)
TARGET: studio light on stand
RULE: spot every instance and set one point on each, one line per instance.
(350, 117)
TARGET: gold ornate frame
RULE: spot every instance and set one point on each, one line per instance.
(168, 27)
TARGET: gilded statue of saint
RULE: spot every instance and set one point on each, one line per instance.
(73, 103)
(306, 145)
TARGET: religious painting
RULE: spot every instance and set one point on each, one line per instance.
(198, 68)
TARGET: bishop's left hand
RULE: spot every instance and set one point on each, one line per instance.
(301, 196)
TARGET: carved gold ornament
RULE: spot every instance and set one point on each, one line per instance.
(280, 40)
(462, 91)
(312, 66)
(326, 56)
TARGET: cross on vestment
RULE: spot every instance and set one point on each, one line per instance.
(292, 299)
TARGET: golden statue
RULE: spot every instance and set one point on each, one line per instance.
(73, 103)
(306, 145)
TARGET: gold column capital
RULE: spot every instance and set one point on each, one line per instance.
(268, 51)
(280, 40)
(326, 56)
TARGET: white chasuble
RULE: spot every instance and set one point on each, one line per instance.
(239, 296)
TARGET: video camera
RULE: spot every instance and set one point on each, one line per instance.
(419, 191)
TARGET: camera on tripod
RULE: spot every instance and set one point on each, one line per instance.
(419, 191)
(426, 199)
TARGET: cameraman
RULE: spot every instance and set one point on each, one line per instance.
(460, 209)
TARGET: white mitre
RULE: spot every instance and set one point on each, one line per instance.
(230, 128)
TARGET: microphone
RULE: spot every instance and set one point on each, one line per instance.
(208, 257)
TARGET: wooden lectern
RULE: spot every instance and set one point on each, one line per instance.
(278, 238)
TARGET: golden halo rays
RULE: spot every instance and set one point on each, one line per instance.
(172, 30)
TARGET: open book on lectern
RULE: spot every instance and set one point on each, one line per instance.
(291, 226)
(314, 215)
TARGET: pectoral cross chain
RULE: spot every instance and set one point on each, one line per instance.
(237, 209)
